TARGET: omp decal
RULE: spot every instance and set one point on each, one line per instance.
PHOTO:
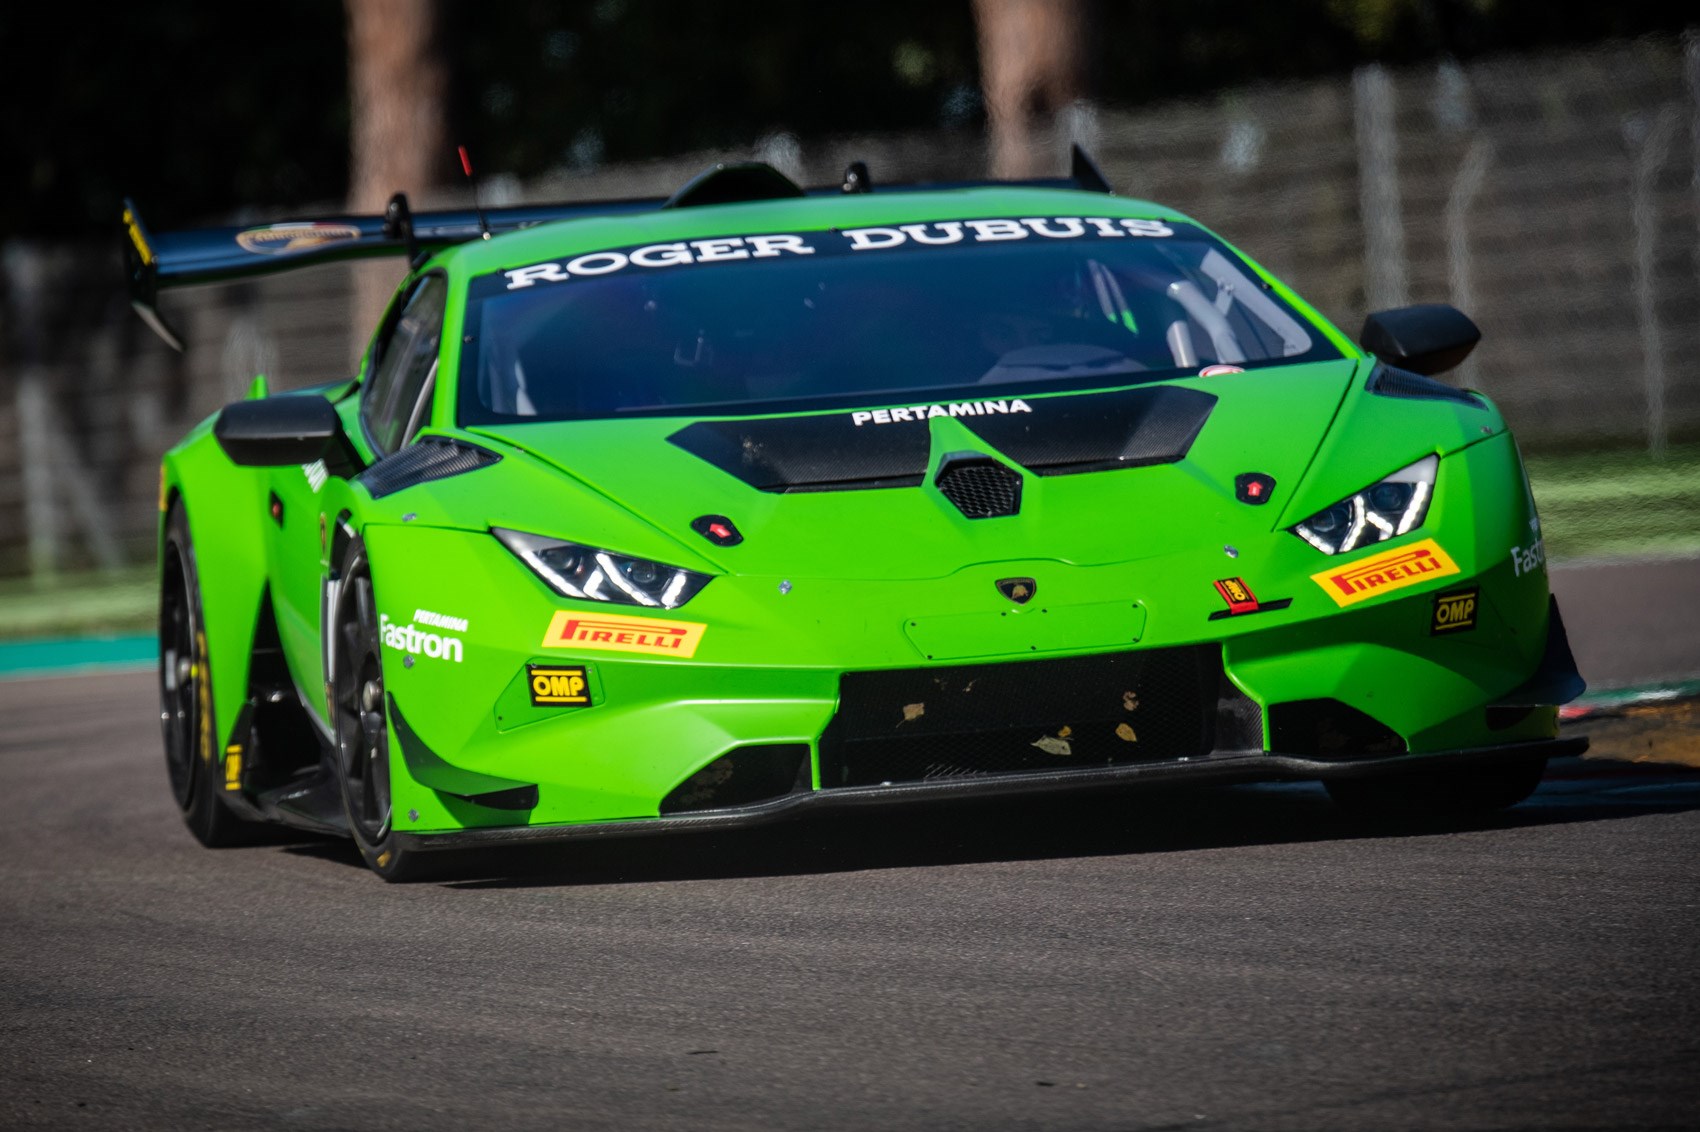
(922, 412)
(440, 620)
(612, 633)
(555, 686)
(1237, 594)
(1385, 572)
(1454, 612)
(233, 767)
(283, 239)
(724, 249)
(1528, 560)
(411, 640)
(316, 474)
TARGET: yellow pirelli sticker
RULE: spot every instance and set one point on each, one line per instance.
(613, 633)
(1385, 572)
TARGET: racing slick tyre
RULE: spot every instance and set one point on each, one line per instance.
(362, 727)
(185, 695)
(1455, 793)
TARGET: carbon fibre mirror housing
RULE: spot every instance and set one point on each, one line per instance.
(1427, 339)
(279, 431)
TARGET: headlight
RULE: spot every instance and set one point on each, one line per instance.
(601, 575)
(1384, 510)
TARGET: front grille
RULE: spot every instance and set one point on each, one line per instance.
(980, 487)
(967, 721)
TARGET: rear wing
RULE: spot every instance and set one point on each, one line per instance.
(220, 255)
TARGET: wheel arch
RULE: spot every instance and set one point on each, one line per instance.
(224, 507)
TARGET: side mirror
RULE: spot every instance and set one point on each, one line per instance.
(1428, 339)
(278, 431)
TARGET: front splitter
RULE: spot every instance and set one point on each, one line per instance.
(1220, 768)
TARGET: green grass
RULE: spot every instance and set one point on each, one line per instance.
(1593, 504)
(95, 604)
(1618, 504)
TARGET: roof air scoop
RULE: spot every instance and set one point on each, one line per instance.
(732, 183)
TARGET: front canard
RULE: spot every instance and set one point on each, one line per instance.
(1385, 572)
(613, 633)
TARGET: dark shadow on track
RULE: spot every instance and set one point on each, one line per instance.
(1102, 824)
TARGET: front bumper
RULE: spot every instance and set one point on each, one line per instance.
(1210, 770)
(775, 664)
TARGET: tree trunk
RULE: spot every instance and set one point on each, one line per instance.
(1030, 55)
(395, 85)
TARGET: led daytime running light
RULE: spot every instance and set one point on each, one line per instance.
(1390, 507)
(593, 574)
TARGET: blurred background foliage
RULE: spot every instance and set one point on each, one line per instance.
(200, 110)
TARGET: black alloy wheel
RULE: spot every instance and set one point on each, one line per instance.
(186, 714)
(362, 725)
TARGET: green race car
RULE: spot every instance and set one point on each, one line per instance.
(654, 516)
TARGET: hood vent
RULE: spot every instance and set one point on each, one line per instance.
(980, 487)
(1049, 436)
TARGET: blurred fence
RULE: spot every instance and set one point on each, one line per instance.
(1555, 197)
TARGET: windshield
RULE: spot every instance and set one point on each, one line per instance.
(853, 317)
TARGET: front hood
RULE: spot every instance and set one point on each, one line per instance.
(1109, 476)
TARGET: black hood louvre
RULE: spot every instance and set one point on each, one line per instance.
(1085, 432)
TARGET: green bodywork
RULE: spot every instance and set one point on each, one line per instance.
(830, 582)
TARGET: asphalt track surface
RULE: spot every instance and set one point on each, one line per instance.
(1231, 958)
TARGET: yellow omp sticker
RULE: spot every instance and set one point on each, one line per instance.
(1455, 612)
(1385, 572)
(554, 686)
(608, 633)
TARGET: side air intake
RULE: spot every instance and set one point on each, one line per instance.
(980, 487)
(428, 458)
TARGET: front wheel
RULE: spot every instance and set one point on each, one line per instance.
(1457, 792)
(362, 727)
(185, 695)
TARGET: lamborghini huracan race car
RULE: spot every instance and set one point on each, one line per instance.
(672, 515)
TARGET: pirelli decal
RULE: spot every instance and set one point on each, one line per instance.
(613, 633)
(1385, 572)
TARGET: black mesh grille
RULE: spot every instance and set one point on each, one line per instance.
(1391, 382)
(915, 725)
(428, 458)
(980, 487)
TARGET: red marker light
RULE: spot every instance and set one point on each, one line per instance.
(720, 530)
(465, 160)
